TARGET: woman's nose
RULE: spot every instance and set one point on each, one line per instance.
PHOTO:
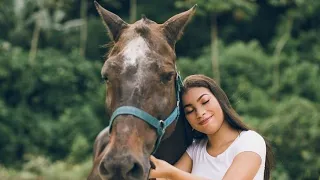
(201, 112)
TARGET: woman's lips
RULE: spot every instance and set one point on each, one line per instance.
(205, 121)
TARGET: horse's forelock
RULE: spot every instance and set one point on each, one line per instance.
(140, 28)
(143, 30)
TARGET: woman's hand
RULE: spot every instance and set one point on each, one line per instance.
(162, 169)
(165, 171)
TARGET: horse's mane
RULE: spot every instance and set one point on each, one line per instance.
(109, 46)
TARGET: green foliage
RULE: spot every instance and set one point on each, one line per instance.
(42, 168)
(79, 149)
(300, 80)
(46, 105)
(299, 8)
(245, 76)
(97, 33)
(247, 8)
(202, 65)
(294, 133)
(53, 108)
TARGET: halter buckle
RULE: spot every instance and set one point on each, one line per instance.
(161, 125)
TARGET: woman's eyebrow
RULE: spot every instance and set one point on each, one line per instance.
(197, 100)
(201, 97)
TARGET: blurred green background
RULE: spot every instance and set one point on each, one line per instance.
(265, 54)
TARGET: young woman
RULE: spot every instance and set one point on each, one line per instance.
(224, 147)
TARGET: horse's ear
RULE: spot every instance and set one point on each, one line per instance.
(113, 22)
(174, 26)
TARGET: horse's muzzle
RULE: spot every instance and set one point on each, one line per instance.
(125, 167)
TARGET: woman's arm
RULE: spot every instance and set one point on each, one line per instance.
(167, 171)
(178, 174)
(184, 163)
(244, 166)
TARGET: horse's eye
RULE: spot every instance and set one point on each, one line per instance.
(166, 77)
(105, 78)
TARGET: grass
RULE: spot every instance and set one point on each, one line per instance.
(40, 168)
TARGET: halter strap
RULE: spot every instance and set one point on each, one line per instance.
(159, 125)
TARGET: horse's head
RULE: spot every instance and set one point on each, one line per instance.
(140, 72)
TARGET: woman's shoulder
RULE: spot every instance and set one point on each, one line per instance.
(251, 141)
(251, 137)
(196, 147)
(198, 143)
(251, 134)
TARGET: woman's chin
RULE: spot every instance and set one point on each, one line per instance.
(210, 129)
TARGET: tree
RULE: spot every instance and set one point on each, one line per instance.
(297, 12)
(133, 11)
(84, 30)
(45, 15)
(44, 108)
(295, 30)
(294, 133)
(212, 9)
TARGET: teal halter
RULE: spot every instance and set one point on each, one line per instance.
(159, 125)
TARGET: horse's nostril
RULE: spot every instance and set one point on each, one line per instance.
(126, 167)
(136, 171)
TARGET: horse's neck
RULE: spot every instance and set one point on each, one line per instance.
(172, 148)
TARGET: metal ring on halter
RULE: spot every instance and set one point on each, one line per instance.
(162, 126)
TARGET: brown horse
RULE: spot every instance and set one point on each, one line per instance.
(140, 72)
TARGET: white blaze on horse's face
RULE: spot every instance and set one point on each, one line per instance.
(134, 50)
(135, 55)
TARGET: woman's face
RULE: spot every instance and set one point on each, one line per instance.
(202, 110)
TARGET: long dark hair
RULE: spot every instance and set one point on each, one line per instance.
(230, 115)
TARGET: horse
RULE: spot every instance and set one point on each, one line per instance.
(143, 97)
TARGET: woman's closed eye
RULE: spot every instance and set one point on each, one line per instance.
(205, 101)
(188, 110)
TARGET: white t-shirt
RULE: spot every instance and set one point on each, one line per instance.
(207, 166)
